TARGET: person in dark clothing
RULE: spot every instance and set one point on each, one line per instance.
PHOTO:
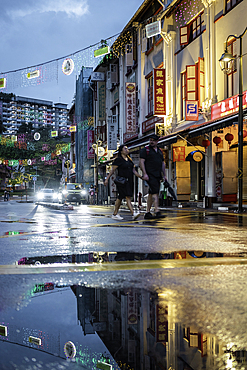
(153, 169)
(125, 166)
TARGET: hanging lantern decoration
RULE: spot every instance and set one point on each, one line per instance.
(229, 137)
(205, 143)
(217, 140)
(244, 133)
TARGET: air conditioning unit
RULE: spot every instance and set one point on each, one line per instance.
(111, 76)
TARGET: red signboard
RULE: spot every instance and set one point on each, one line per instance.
(178, 153)
(159, 91)
(130, 107)
(149, 124)
(228, 106)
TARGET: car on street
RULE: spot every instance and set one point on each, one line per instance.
(47, 195)
(72, 193)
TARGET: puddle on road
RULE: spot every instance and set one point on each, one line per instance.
(184, 318)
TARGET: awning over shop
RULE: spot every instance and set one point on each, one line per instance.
(210, 126)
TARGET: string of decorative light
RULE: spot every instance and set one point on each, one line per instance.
(48, 71)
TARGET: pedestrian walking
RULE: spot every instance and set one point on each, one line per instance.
(153, 170)
(6, 195)
(91, 194)
(125, 166)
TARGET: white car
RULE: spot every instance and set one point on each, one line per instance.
(47, 195)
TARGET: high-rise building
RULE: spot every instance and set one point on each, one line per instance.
(33, 112)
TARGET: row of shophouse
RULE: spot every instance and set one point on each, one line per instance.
(163, 75)
(144, 329)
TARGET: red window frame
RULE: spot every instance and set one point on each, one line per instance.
(192, 30)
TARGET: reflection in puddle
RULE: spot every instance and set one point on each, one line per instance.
(173, 318)
(127, 328)
(101, 257)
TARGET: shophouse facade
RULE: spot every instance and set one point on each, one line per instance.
(171, 83)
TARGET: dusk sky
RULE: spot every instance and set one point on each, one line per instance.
(34, 32)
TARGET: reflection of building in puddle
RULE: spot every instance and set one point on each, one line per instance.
(101, 257)
(141, 330)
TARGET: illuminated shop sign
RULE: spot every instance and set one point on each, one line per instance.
(159, 91)
(130, 95)
(228, 106)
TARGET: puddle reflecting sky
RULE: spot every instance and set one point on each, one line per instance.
(167, 318)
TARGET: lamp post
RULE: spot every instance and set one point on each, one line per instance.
(96, 149)
(67, 163)
(224, 60)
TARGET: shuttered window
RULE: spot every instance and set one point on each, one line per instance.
(192, 30)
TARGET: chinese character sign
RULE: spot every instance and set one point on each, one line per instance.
(161, 323)
(159, 91)
(101, 91)
(130, 97)
(90, 141)
(227, 106)
(112, 134)
(132, 307)
(178, 153)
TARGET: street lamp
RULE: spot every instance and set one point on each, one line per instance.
(96, 149)
(224, 60)
(67, 164)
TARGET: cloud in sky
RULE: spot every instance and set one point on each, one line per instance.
(76, 8)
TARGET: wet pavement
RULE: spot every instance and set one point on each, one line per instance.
(80, 290)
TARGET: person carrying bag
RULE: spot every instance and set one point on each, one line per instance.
(124, 181)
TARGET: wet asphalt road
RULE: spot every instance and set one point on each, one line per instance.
(208, 294)
(27, 229)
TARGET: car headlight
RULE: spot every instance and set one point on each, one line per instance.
(83, 192)
(55, 196)
(40, 195)
(64, 192)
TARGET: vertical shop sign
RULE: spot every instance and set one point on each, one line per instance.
(178, 154)
(112, 130)
(161, 323)
(159, 91)
(90, 141)
(130, 107)
(101, 93)
(132, 307)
